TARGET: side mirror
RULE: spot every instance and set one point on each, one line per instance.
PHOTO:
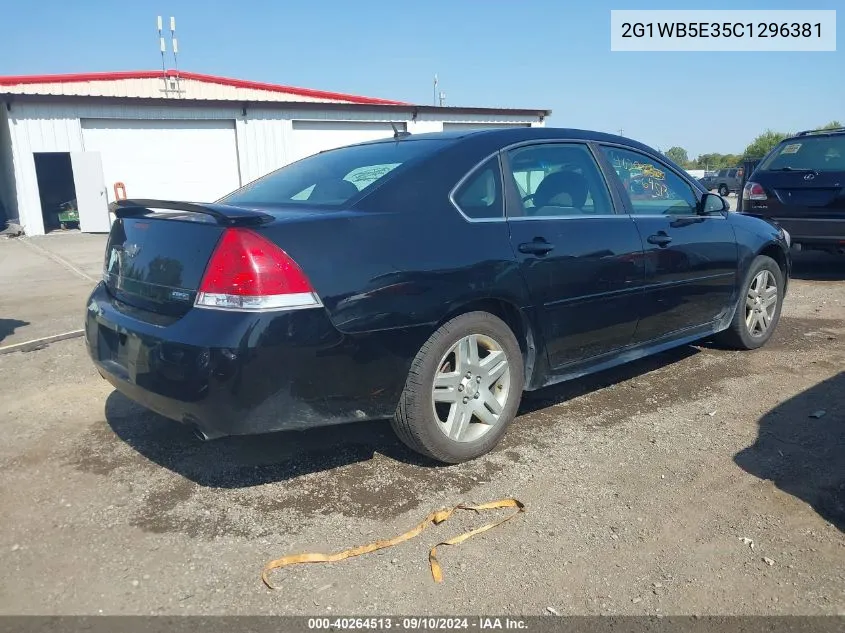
(713, 203)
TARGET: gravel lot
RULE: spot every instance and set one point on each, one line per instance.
(640, 484)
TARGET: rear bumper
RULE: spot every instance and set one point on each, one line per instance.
(227, 373)
(815, 231)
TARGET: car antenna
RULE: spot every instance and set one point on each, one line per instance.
(397, 133)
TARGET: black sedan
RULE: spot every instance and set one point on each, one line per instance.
(429, 279)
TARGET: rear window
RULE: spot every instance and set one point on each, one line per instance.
(334, 177)
(819, 153)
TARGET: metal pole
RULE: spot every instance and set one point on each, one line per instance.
(163, 47)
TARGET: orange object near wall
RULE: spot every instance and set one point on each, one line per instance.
(119, 191)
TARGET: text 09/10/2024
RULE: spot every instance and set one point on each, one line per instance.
(712, 30)
(417, 623)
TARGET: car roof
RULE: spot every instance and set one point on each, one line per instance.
(511, 135)
(838, 131)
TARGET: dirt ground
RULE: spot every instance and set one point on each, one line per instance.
(640, 485)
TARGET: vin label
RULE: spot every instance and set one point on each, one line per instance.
(721, 30)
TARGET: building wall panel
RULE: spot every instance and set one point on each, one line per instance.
(263, 145)
(7, 168)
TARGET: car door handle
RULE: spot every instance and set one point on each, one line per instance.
(661, 239)
(537, 247)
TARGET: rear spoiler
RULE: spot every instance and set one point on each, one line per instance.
(222, 214)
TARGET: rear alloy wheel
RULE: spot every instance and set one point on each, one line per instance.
(471, 388)
(723, 190)
(463, 389)
(759, 306)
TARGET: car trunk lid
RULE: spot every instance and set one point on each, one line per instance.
(158, 251)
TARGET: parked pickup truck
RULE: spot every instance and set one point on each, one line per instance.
(725, 181)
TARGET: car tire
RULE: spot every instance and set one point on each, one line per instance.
(723, 190)
(745, 331)
(449, 386)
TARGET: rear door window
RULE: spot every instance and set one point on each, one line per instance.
(480, 196)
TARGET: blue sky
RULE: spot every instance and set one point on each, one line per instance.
(544, 54)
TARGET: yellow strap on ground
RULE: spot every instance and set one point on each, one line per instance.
(436, 517)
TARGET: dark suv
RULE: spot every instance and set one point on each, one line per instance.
(800, 185)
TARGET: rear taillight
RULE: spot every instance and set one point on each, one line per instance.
(249, 272)
(753, 191)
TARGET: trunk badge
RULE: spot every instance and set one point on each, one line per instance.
(809, 176)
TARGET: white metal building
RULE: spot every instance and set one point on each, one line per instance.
(182, 136)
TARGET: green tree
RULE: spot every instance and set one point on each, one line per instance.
(758, 148)
(716, 161)
(678, 155)
(764, 142)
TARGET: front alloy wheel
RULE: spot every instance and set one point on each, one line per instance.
(761, 304)
(758, 307)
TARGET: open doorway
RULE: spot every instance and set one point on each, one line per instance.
(57, 191)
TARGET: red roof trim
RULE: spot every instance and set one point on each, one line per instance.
(225, 81)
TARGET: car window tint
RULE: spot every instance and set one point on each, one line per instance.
(480, 196)
(652, 188)
(333, 177)
(558, 179)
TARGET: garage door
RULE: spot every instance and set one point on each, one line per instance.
(480, 126)
(170, 160)
(310, 137)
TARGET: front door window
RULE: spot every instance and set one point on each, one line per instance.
(558, 179)
(652, 188)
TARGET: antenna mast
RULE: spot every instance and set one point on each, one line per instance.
(163, 47)
(170, 84)
(175, 54)
(175, 46)
(438, 97)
